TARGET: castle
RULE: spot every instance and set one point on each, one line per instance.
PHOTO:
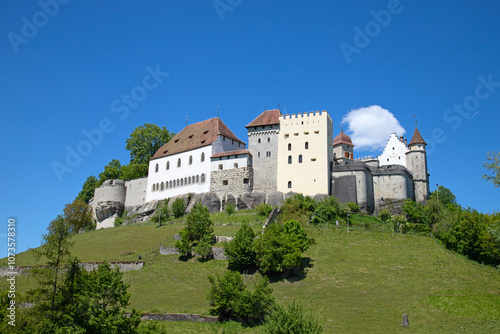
(286, 154)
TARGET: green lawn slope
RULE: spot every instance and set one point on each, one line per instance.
(358, 281)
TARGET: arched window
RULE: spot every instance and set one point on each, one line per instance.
(157, 186)
(307, 145)
(182, 182)
(202, 157)
(189, 180)
(289, 147)
(168, 165)
(202, 178)
(197, 178)
(170, 184)
(190, 159)
(179, 163)
(162, 186)
(289, 159)
(185, 181)
(156, 168)
(166, 185)
(289, 184)
(178, 182)
(153, 188)
(300, 159)
(258, 141)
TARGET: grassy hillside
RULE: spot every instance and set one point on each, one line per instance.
(358, 281)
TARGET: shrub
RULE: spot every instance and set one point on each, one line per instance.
(163, 213)
(353, 207)
(326, 211)
(239, 250)
(385, 215)
(198, 227)
(178, 208)
(298, 207)
(204, 247)
(229, 297)
(230, 208)
(399, 224)
(264, 209)
(118, 221)
(293, 319)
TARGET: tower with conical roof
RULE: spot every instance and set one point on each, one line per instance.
(343, 148)
(416, 163)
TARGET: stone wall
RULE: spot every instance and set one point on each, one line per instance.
(136, 192)
(236, 181)
(265, 156)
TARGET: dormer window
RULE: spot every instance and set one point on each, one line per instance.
(205, 132)
(191, 136)
(177, 140)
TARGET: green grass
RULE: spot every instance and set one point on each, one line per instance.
(358, 281)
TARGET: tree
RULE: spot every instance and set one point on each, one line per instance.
(446, 197)
(239, 250)
(134, 171)
(199, 227)
(87, 192)
(78, 216)
(112, 171)
(494, 166)
(179, 208)
(230, 298)
(145, 140)
(292, 319)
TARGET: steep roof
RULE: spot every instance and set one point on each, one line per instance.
(268, 117)
(195, 136)
(228, 153)
(342, 138)
(417, 138)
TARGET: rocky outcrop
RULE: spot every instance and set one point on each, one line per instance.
(106, 209)
(140, 213)
(275, 198)
(211, 201)
(250, 201)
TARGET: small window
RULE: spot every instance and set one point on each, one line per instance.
(286, 135)
(185, 180)
(153, 188)
(190, 159)
(179, 163)
(205, 132)
(289, 147)
(246, 180)
(178, 182)
(162, 186)
(300, 159)
(166, 185)
(156, 168)
(182, 182)
(223, 138)
(296, 134)
(313, 159)
(176, 141)
(225, 182)
(258, 141)
(202, 158)
(191, 136)
(268, 139)
(232, 142)
(289, 159)
(221, 166)
(170, 184)
(289, 184)
(307, 145)
(387, 159)
(346, 154)
(235, 165)
(306, 133)
(189, 180)
(316, 132)
(202, 178)
(157, 186)
(197, 178)
(168, 165)
(258, 155)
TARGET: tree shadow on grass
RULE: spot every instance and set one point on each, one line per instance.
(293, 275)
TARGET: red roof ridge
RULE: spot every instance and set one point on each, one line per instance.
(267, 117)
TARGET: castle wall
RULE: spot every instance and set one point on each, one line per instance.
(236, 181)
(136, 192)
(353, 182)
(265, 156)
(308, 136)
(391, 182)
(110, 190)
(417, 164)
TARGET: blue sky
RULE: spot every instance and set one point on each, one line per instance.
(68, 68)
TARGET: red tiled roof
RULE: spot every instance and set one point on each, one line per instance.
(268, 117)
(417, 138)
(195, 136)
(342, 138)
(224, 154)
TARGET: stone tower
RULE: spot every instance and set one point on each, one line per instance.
(416, 163)
(263, 134)
(343, 148)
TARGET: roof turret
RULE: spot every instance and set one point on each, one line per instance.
(417, 138)
(342, 138)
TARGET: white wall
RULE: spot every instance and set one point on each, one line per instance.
(394, 152)
(224, 144)
(197, 168)
(229, 161)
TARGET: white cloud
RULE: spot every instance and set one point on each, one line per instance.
(370, 128)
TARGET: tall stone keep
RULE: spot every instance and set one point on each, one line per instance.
(416, 163)
(263, 134)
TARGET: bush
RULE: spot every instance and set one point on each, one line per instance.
(353, 207)
(163, 213)
(326, 211)
(204, 247)
(399, 224)
(298, 207)
(385, 215)
(230, 208)
(264, 209)
(293, 319)
(198, 227)
(229, 297)
(178, 208)
(239, 250)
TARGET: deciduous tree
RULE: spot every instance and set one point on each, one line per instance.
(145, 140)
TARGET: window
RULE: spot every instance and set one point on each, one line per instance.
(268, 139)
(202, 157)
(170, 184)
(223, 138)
(186, 181)
(162, 187)
(157, 186)
(202, 178)
(258, 155)
(232, 142)
(189, 180)
(352, 156)
(197, 178)
(156, 168)
(168, 165)
(235, 165)
(258, 141)
(190, 159)
(300, 159)
(179, 163)
(289, 159)
(289, 184)
(178, 182)
(153, 188)
(346, 154)
(316, 132)
(286, 135)
(307, 145)
(225, 182)
(221, 166)
(182, 182)
(296, 134)
(246, 180)
(289, 147)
